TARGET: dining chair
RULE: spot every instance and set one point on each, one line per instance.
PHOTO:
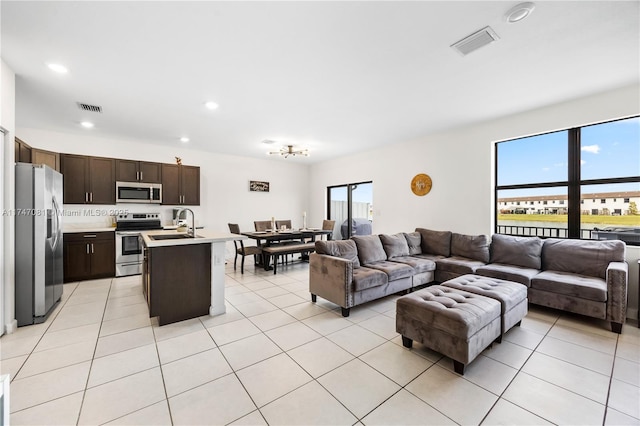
(285, 223)
(329, 225)
(262, 225)
(242, 250)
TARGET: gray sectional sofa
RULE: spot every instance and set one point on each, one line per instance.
(586, 277)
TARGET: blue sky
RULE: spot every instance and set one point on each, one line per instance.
(607, 150)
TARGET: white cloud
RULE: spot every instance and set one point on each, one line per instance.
(582, 162)
(593, 149)
(545, 169)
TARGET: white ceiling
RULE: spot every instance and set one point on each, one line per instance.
(333, 77)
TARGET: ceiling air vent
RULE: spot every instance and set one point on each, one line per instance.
(90, 108)
(475, 41)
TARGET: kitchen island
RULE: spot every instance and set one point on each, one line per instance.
(183, 277)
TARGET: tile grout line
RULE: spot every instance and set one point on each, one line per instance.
(516, 375)
(613, 367)
(86, 385)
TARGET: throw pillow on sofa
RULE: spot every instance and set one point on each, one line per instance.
(394, 245)
(518, 251)
(414, 241)
(345, 249)
(474, 247)
(370, 249)
(435, 242)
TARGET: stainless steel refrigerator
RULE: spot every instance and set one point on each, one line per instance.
(39, 273)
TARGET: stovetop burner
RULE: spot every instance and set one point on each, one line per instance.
(138, 222)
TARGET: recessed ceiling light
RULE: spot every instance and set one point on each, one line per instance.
(184, 139)
(87, 124)
(519, 12)
(268, 142)
(60, 69)
(211, 105)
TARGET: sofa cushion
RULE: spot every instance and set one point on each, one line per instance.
(513, 273)
(394, 270)
(418, 264)
(518, 251)
(584, 257)
(474, 247)
(414, 241)
(458, 265)
(394, 245)
(370, 248)
(433, 257)
(345, 249)
(435, 242)
(364, 278)
(578, 286)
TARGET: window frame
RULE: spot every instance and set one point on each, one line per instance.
(574, 181)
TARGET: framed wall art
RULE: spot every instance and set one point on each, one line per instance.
(258, 186)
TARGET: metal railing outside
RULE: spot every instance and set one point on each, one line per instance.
(630, 236)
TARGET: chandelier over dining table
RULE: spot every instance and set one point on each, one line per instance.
(288, 150)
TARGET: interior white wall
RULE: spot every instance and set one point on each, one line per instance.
(7, 197)
(224, 180)
(461, 165)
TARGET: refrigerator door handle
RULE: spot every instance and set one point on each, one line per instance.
(92, 248)
(87, 248)
(56, 223)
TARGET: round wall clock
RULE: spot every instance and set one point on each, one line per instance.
(421, 184)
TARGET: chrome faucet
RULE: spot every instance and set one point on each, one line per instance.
(192, 234)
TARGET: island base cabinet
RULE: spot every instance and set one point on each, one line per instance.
(177, 282)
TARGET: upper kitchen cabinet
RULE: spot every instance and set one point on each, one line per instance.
(180, 185)
(23, 151)
(88, 180)
(138, 171)
(27, 154)
(48, 158)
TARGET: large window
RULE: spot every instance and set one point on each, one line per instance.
(577, 183)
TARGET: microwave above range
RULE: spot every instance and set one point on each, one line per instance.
(136, 192)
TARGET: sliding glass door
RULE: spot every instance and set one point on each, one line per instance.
(351, 206)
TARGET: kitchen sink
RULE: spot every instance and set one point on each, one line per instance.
(171, 237)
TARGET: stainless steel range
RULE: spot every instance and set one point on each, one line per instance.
(128, 246)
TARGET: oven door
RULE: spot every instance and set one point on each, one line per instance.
(128, 248)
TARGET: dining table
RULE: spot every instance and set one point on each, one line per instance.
(277, 236)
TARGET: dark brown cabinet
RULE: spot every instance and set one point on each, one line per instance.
(176, 281)
(48, 158)
(180, 185)
(89, 255)
(138, 171)
(23, 151)
(88, 180)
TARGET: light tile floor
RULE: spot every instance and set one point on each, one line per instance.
(276, 358)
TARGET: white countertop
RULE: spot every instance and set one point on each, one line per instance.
(87, 227)
(203, 237)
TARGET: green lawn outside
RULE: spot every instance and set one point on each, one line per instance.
(628, 220)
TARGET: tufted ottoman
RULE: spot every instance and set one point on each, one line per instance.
(455, 323)
(512, 296)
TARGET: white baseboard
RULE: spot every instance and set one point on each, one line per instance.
(11, 327)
